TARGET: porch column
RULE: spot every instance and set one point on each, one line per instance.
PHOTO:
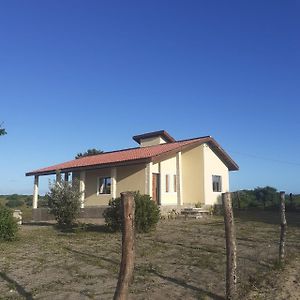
(66, 176)
(82, 187)
(35, 197)
(114, 183)
(148, 175)
(179, 178)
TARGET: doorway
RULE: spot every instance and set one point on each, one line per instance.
(155, 188)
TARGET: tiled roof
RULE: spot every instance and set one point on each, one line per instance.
(128, 156)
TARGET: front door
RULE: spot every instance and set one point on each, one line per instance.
(155, 188)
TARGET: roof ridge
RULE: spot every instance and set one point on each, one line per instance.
(146, 147)
(196, 138)
(108, 152)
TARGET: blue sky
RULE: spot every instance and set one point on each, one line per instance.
(91, 74)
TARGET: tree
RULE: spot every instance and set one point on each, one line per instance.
(64, 202)
(266, 195)
(89, 152)
(2, 130)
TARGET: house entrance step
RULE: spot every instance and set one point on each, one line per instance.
(193, 212)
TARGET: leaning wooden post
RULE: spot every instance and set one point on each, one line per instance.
(128, 246)
(283, 226)
(231, 265)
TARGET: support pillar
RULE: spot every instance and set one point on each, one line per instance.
(148, 188)
(114, 183)
(179, 178)
(82, 187)
(35, 192)
(58, 177)
(66, 176)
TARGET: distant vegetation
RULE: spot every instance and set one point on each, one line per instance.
(261, 197)
(22, 202)
(88, 152)
(266, 198)
(18, 201)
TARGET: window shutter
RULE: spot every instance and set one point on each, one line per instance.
(167, 183)
(175, 184)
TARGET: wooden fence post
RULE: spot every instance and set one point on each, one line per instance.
(128, 246)
(231, 265)
(283, 225)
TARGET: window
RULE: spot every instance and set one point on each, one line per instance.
(104, 185)
(175, 186)
(167, 183)
(217, 183)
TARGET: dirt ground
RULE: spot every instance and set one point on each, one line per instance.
(279, 285)
(182, 259)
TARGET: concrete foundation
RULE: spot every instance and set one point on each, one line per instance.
(42, 214)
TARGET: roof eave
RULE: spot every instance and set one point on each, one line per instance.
(91, 167)
(227, 160)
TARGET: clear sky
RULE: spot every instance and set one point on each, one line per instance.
(91, 74)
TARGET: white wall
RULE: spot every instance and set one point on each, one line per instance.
(168, 167)
(156, 140)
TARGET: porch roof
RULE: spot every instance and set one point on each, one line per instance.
(136, 155)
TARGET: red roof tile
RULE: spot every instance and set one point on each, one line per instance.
(128, 156)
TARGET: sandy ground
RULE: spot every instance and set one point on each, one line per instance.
(280, 285)
(182, 259)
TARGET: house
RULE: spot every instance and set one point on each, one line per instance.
(173, 173)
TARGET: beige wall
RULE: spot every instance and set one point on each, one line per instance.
(168, 167)
(156, 140)
(91, 197)
(128, 178)
(214, 166)
(198, 167)
(131, 178)
(193, 176)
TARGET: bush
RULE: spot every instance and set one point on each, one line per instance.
(14, 203)
(146, 213)
(64, 202)
(8, 224)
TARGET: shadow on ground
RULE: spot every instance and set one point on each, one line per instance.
(20, 289)
(188, 286)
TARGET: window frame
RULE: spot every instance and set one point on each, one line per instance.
(107, 180)
(217, 183)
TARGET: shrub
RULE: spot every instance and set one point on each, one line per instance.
(14, 203)
(146, 213)
(8, 224)
(28, 201)
(64, 202)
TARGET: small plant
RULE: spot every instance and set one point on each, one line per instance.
(217, 210)
(64, 202)
(146, 213)
(198, 205)
(8, 225)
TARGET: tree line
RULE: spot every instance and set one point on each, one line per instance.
(264, 198)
